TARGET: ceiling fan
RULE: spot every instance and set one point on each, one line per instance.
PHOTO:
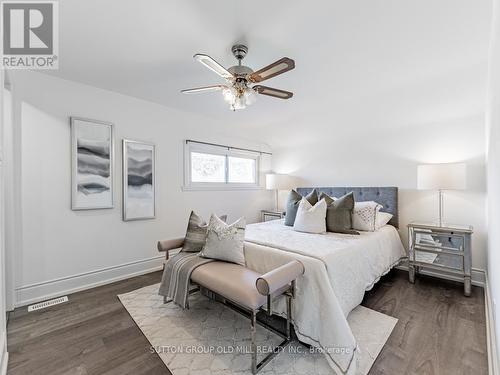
(238, 91)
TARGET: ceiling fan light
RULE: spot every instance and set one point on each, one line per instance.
(229, 95)
(239, 103)
(250, 96)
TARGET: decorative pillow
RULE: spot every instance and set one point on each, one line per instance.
(364, 216)
(339, 213)
(196, 233)
(292, 204)
(310, 219)
(225, 242)
(382, 219)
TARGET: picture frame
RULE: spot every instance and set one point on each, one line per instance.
(139, 180)
(92, 164)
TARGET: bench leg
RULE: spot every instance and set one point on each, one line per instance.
(253, 323)
(288, 316)
(290, 295)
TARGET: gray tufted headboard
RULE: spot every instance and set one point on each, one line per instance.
(386, 196)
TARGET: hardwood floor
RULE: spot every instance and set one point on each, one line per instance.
(91, 334)
(439, 332)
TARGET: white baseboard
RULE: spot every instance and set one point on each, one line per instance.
(4, 364)
(42, 291)
(478, 276)
(491, 339)
(4, 355)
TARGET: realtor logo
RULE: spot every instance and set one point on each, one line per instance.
(30, 34)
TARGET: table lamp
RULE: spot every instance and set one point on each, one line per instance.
(441, 177)
(278, 182)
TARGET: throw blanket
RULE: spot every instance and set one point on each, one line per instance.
(177, 275)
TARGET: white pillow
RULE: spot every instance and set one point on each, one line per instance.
(311, 219)
(382, 219)
(364, 216)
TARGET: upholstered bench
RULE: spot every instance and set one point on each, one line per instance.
(248, 290)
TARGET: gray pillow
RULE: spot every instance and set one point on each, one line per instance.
(338, 213)
(225, 242)
(292, 204)
(196, 233)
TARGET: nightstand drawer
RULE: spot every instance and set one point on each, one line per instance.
(271, 215)
(445, 261)
(448, 242)
(439, 249)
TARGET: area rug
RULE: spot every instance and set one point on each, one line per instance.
(213, 339)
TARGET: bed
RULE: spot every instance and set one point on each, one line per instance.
(339, 268)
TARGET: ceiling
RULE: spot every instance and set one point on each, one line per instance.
(349, 54)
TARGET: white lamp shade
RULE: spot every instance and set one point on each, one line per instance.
(441, 176)
(279, 181)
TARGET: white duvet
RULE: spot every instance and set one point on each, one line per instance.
(339, 268)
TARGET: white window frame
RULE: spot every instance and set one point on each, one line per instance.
(190, 147)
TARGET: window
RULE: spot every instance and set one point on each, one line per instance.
(208, 167)
(217, 167)
(241, 170)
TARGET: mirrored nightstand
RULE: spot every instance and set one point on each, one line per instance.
(444, 248)
(268, 215)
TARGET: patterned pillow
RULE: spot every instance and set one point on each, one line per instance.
(292, 204)
(364, 216)
(225, 242)
(196, 233)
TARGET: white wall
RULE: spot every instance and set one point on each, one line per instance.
(12, 168)
(380, 140)
(3, 329)
(493, 144)
(57, 243)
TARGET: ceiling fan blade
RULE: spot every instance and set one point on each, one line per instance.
(281, 66)
(281, 94)
(213, 65)
(197, 90)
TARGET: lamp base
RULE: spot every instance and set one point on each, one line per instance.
(440, 222)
